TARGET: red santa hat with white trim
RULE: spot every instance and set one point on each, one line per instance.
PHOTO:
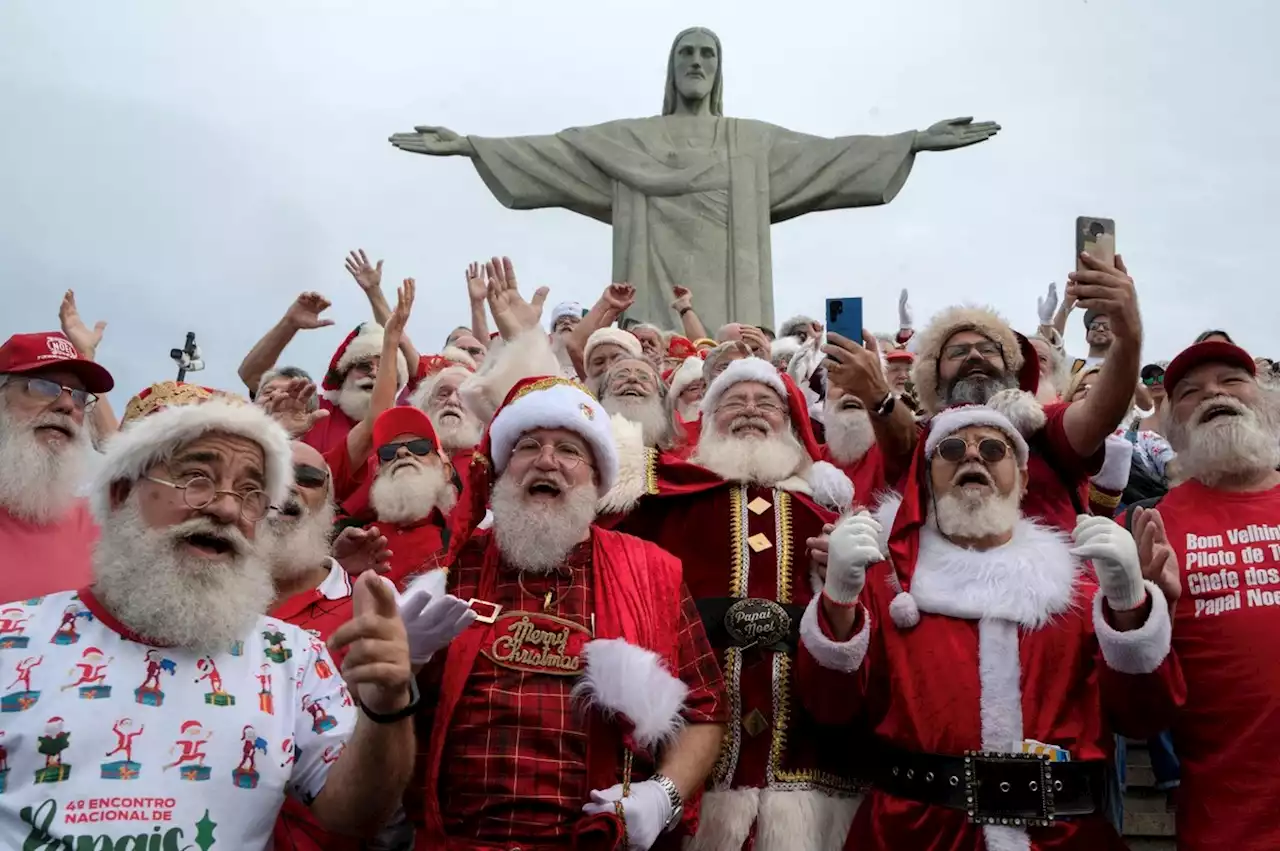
(913, 512)
(689, 371)
(362, 344)
(829, 485)
(433, 368)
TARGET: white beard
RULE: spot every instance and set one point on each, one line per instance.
(962, 515)
(645, 412)
(456, 432)
(689, 411)
(764, 461)
(849, 434)
(295, 545)
(536, 536)
(38, 482)
(411, 494)
(176, 598)
(355, 397)
(1227, 448)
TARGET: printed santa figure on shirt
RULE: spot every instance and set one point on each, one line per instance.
(246, 773)
(323, 670)
(13, 622)
(191, 750)
(66, 632)
(124, 769)
(320, 720)
(25, 697)
(290, 750)
(276, 650)
(51, 745)
(216, 696)
(266, 701)
(149, 693)
(91, 674)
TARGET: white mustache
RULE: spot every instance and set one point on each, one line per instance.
(59, 420)
(240, 545)
(1219, 402)
(751, 422)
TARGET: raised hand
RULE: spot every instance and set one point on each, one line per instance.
(856, 369)
(1047, 307)
(477, 289)
(368, 276)
(854, 545)
(404, 306)
(684, 299)
(955, 133)
(818, 549)
(433, 622)
(85, 340)
(377, 662)
(511, 313)
(1115, 560)
(619, 297)
(361, 550)
(1110, 291)
(1155, 554)
(904, 311)
(756, 341)
(288, 406)
(433, 141)
(304, 313)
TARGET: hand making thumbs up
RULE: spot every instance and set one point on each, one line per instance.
(377, 662)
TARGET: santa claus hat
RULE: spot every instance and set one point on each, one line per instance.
(912, 512)
(57, 719)
(248, 728)
(166, 416)
(953, 320)
(681, 347)
(537, 402)
(689, 372)
(363, 343)
(188, 726)
(433, 368)
(91, 651)
(403, 419)
(616, 336)
(829, 485)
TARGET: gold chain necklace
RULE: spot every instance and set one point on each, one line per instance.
(550, 598)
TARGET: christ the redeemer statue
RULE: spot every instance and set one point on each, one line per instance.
(691, 194)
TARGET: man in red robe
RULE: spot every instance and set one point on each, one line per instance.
(583, 706)
(984, 632)
(851, 444)
(348, 385)
(741, 515)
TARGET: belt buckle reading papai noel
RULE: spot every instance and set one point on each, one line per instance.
(537, 643)
(757, 621)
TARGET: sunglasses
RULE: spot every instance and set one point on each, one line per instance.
(991, 450)
(418, 447)
(308, 476)
(1153, 380)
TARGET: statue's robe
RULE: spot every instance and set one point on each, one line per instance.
(691, 198)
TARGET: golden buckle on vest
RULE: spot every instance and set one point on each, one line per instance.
(494, 610)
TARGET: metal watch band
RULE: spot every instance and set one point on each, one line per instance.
(886, 405)
(673, 794)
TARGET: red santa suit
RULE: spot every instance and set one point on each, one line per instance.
(782, 781)
(363, 343)
(958, 651)
(866, 473)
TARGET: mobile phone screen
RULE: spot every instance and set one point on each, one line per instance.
(844, 317)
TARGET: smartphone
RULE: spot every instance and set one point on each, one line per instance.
(1096, 236)
(844, 316)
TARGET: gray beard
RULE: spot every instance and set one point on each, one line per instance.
(849, 435)
(977, 389)
(537, 537)
(411, 494)
(173, 598)
(763, 461)
(355, 402)
(456, 433)
(1227, 449)
(37, 482)
(956, 515)
(294, 546)
(647, 413)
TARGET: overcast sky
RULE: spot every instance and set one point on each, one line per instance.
(193, 166)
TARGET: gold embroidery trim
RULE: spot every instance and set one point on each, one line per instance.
(546, 383)
(727, 763)
(650, 470)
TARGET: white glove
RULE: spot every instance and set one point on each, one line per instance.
(1115, 560)
(647, 809)
(433, 622)
(1048, 305)
(854, 544)
(904, 311)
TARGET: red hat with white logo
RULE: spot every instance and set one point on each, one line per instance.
(24, 354)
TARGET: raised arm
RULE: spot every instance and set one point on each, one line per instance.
(856, 369)
(102, 420)
(360, 438)
(477, 295)
(615, 299)
(369, 277)
(693, 327)
(511, 313)
(302, 315)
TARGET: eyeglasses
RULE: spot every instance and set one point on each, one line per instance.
(199, 492)
(769, 409)
(364, 367)
(421, 446)
(566, 455)
(633, 375)
(1153, 380)
(1099, 325)
(960, 351)
(991, 450)
(308, 476)
(42, 388)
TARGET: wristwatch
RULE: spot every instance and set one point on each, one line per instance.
(885, 408)
(673, 795)
(404, 712)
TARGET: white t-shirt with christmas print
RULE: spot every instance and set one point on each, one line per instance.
(104, 737)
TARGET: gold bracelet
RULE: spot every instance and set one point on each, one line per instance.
(1103, 498)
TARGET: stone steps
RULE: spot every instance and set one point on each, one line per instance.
(1148, 818)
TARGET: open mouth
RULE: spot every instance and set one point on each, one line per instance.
(750, 431)
(292, 509)
(544, 490)
(451, 413)
(973, 478)
(209, 544)
(56, 429)
(1216, 411)
(850, 405)
(403, 464)
(633, 392)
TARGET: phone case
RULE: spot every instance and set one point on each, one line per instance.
(1096, 236)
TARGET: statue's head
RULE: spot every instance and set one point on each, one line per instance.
(693, 70)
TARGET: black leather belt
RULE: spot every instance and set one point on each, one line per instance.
(994, 788)
(750, 622)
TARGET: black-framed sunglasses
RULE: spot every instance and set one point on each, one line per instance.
(43, 388)
(990, 450)
(308, 476)
(420, 446)
(1153, 380)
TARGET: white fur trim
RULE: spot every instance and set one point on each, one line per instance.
(1000, 708)
(526, 356)
(830, 486)
(368, 344)
(566, 308)
(1138, 651)
(559, 406)
(784, 347)
(426, 388)
(844, 656)
(1114, 475)
(633, 467)
(461, 357)
(689, 372)
(1021, 408)
(433, 582)
(1027, 581)
(623, 679)
(789, 820)
(952, 420)
(744, 369)
(625, 340)
(929, 342)
(903, 610)
(138, 446)
(725, 820)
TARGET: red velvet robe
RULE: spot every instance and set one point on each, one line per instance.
(415, 547)
(867, 475)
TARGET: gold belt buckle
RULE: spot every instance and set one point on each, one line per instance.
(495, 610)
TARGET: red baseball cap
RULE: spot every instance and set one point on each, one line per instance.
(899, 355)
(1213, 351)
(403, 419)
(30, 353)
